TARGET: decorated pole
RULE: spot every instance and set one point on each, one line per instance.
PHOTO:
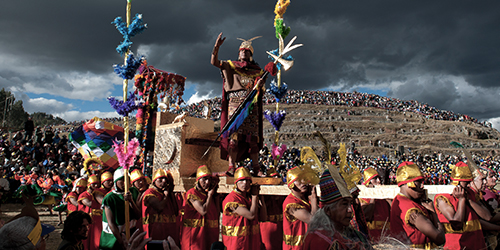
(127, 71)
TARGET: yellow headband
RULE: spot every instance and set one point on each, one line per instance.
(36, 233)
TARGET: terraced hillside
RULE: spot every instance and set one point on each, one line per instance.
(378, 131)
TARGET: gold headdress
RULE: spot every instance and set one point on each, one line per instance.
(106, 176)
(369, 174)
(408, 172)
(292, 175)
(160, 173)
(247, 44)
(92, 163)
(136, 175)
(82, 182)
(242, 174)
(349, 171)
(93, 179)
(202, 171)
(460, 172)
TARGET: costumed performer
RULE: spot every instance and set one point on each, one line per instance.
(106, 182)
(113, 218)
(298, 209)
(159, 208)
(239, 79)
(200, 222)
(241, 212)
(461, 223)
(377, 211)
(330, 227)
(72, 199)
(413, 220)
(90, 202)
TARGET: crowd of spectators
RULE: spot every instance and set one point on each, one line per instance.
(348, 99)
(436, 166)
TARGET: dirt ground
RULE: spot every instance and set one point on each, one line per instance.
(10, 210)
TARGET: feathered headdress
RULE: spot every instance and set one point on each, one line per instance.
(247, 44)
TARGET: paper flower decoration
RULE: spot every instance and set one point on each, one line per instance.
(124, 108)
(277, 152)
(275, 118)
(278, 92)
(126, 159)
(276, 53)
(133, 29)
(128, 70)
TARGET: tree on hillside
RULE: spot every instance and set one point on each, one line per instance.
(13, 114)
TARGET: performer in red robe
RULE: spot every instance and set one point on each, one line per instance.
(239, 79)
(298, 208)
(462, 225)
(90, 202)
(159, 208)
(72, 199)
(377, 211)
(271, 230)
(414, 222)
(106, 182)
(240, 215)
(200, 223)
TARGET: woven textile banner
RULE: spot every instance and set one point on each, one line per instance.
(96, 137)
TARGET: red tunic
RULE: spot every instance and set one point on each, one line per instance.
(237, 231)
(402, 207)
(271, 230)
(199, 232)
(320, 239)
(381, 218)
(294, 230)
(71, 207)
(159, 224)
(95, 212)
(471, 234)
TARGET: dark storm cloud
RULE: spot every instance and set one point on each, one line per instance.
(346, 43)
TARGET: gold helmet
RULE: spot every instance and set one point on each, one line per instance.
(202, 171)
(247, 44)
(242, 174)
(82, 182)
(292, 175)
(136, 175)
(460, 172)
(368, 175)
(106, 176)
(160, 173)
(93, 179)
(408, 172)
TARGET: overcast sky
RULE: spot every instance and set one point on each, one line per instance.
(57, 55)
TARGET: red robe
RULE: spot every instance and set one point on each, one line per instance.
(402, 207)
(471, 234)
(159, 225)
(294, 230)
(381, 218)
(320, 239)
(71, 207)
(199, 232)
(237, 231)
(95, 211)
(271, 230)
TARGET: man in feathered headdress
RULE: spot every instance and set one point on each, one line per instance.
(239, 79)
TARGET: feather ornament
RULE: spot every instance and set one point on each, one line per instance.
(276, 53)
(326, 145)
(135, 27)
(128, 70)
(277, 152)
(275, 118)
(278, 92)
(126, 159)
(124, 108)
